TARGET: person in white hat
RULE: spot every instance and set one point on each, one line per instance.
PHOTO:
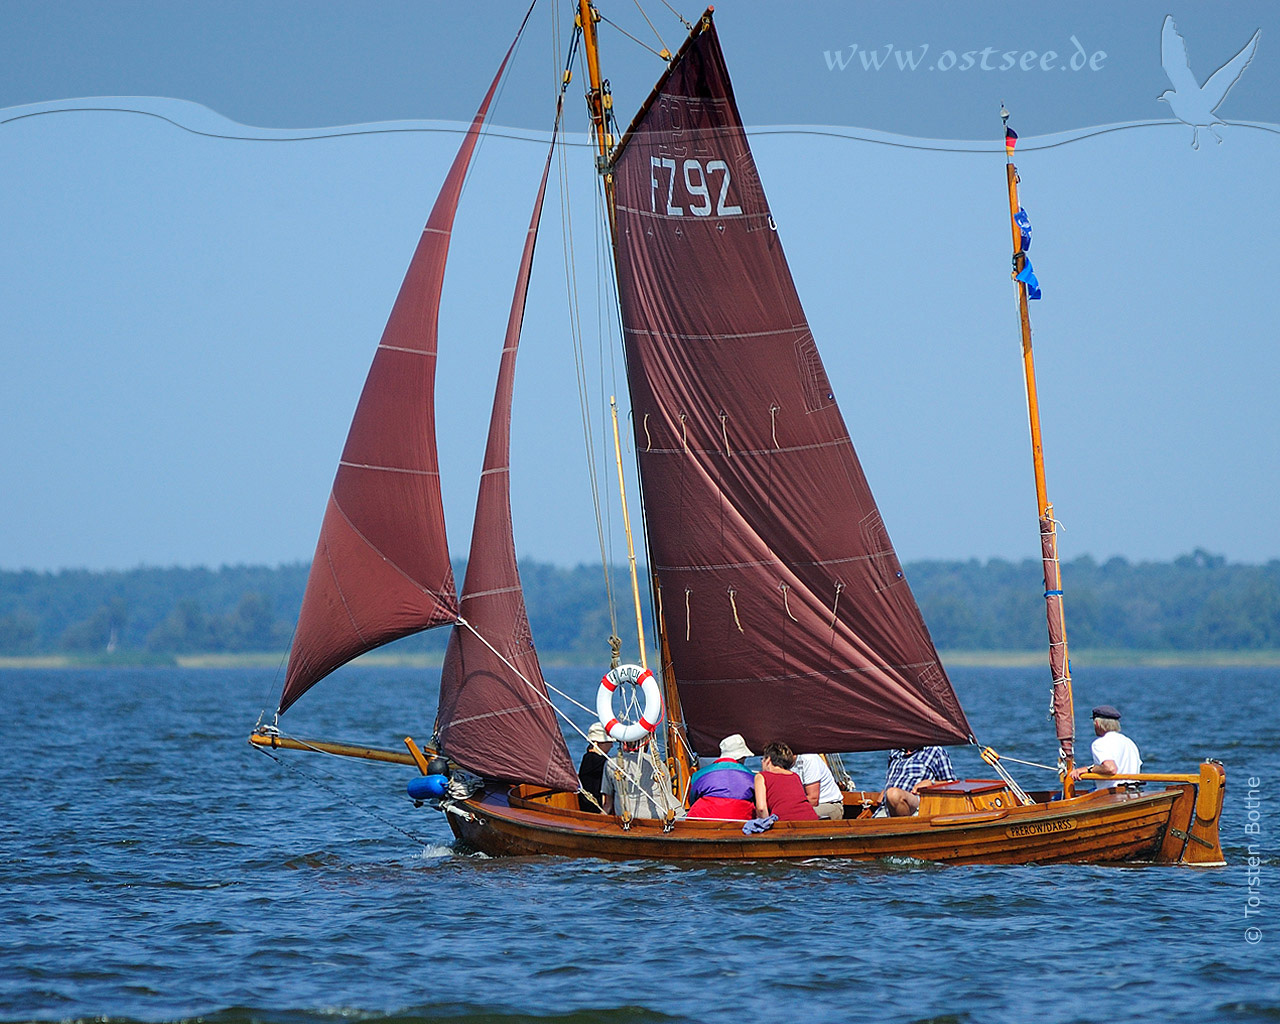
(726, 787)
(591, 770)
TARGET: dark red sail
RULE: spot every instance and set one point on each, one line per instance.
(494, 715)
(785, 606)
(381, 569)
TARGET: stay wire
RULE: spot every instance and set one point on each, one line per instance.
(639, 42)
(584, 400)
(314, 780)
(543, 696)
(658, 35)
(683, 20)
(482, 134)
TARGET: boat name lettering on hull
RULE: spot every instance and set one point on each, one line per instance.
(1041, 828)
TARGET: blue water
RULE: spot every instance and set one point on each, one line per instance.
(153, 867)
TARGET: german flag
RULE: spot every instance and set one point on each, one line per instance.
(1010, 140)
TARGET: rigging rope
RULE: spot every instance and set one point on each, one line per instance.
(542, 696)
(521, 676)
(341, 796)
(579, 360)
(989, 755)
(683, 20)
(1030, 764)
(661, 42)
(497, 99)
(609, 321)
(639, 42)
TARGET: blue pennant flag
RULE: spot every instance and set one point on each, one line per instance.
(1028, 277)
(1024, 225)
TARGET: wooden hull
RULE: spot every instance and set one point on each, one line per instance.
(1102, 827)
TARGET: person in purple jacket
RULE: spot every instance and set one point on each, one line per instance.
(725, 788)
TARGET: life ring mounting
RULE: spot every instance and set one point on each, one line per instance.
(647, 683)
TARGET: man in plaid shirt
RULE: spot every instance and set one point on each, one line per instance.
(909, 772)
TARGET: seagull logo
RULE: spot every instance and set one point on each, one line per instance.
(1192, 103)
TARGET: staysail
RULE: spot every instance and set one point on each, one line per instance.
(785, 605)
(381, 569)
(494, 715)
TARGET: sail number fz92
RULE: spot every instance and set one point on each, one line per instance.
(697, 180)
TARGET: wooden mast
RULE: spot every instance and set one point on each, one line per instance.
(1059, 659)
(599, 102)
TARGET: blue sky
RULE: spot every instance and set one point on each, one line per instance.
(189, 317)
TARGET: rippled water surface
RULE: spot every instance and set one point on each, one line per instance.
(153, 867)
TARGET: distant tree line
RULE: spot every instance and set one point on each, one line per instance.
(253, 609)
(1196, 602)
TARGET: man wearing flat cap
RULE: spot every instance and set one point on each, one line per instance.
(1113, 752)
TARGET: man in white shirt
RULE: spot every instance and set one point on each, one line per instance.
(820, 786)
(632, 787)
(1113, 752)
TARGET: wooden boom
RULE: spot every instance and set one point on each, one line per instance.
(264, 739)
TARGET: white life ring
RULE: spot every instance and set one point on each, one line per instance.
(649, 719)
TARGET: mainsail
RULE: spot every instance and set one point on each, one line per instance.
(381, 569)
(494, 715)
(785, 605)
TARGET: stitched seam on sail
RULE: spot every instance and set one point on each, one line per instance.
(817, 674)
(709, 337)
(389, 469)
(411, 351)
(493, 714)
(746, 218)
(770, 561)
(438, 595)
(488, 593)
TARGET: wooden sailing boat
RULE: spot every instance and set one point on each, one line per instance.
(782, 610)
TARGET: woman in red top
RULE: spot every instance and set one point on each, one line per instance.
(779, 790)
